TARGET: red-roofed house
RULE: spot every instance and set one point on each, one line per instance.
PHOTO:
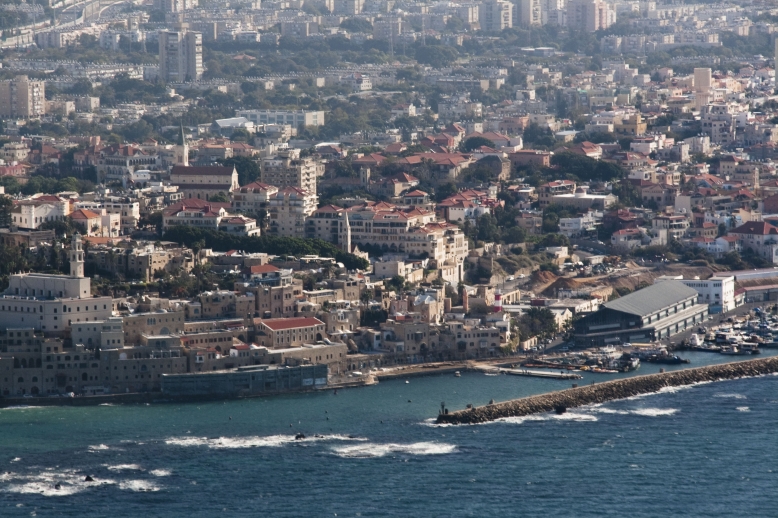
(279, 333)
(760, 237)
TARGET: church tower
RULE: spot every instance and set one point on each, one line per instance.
(76, 257)
(182, 150)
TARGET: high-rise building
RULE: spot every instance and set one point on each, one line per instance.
(180, 55)
(495, 15)
(590, 15)
(702, 80)
(21, 97)
(528, 12)
(288, 169)
(348, 7)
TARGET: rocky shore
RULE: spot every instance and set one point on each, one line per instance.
(609, 391)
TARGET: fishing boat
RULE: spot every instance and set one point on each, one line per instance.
(734, 350)
(457, 374)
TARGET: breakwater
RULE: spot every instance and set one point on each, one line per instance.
(608, 391)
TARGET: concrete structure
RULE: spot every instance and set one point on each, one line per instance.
(294, 118)
(287, 169)
(495, 15)
(718, 291)
(180, 56)
(249, 380)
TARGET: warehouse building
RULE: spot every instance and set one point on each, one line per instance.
(653, 313)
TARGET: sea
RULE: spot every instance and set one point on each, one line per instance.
(705, 450)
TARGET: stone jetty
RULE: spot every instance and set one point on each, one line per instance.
(609, 391)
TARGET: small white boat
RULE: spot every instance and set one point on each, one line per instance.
(457, 374)
(406, 381)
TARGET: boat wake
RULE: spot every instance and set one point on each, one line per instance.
(372, 450)
(730, 396)
(139, 485)
(645, 412)
(124, 467)
(743, 409)
(271, 441)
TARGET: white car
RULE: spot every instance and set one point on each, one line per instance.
(522, 276)
(511, 277)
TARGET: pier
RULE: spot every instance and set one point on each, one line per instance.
(609, 391)
(526, 372)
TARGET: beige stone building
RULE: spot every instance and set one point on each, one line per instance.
(287, 169)
(288, 332)
(288, 210)
(21, 97)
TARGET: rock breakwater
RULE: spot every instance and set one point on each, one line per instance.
(609, 391)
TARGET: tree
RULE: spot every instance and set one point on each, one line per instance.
(722, 229)
(219, 198)
(356, 25)
(248, 169)
(475, 143)
(6, 204)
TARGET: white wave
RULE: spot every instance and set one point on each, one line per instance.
(730, 396)
(106, 404)
(51, 483)
(433, 422)
(574, 416)
(523, 419)
(270, 441)
(23, 407)
(654, 412)
(98, 447)
(372, 450)
(160, 472)
(124, 467)
(743, 409)
(16, 459)
(138, 485)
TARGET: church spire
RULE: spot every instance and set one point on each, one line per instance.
(182, 150)
(76, 257)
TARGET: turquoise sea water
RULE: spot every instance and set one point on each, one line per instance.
(705, 450)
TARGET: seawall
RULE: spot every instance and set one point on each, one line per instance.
(609, 391)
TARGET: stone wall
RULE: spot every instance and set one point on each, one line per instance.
(610, 390)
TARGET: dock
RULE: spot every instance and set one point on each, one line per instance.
(529, 373)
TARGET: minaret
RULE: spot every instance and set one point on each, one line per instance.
(182, 150)
(76, 257)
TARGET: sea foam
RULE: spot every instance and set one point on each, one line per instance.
(270, 441)
(371, 450)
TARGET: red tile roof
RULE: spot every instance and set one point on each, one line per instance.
(755, 227)
(262, 268)
(209, 170)
(280, 324)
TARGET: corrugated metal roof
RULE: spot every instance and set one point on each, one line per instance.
(653, 298)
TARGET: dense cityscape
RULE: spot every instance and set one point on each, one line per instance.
(388, 258)
(312, 193)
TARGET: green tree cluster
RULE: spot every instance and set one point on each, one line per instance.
(222, 241)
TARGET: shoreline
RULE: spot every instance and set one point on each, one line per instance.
(605, 391)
